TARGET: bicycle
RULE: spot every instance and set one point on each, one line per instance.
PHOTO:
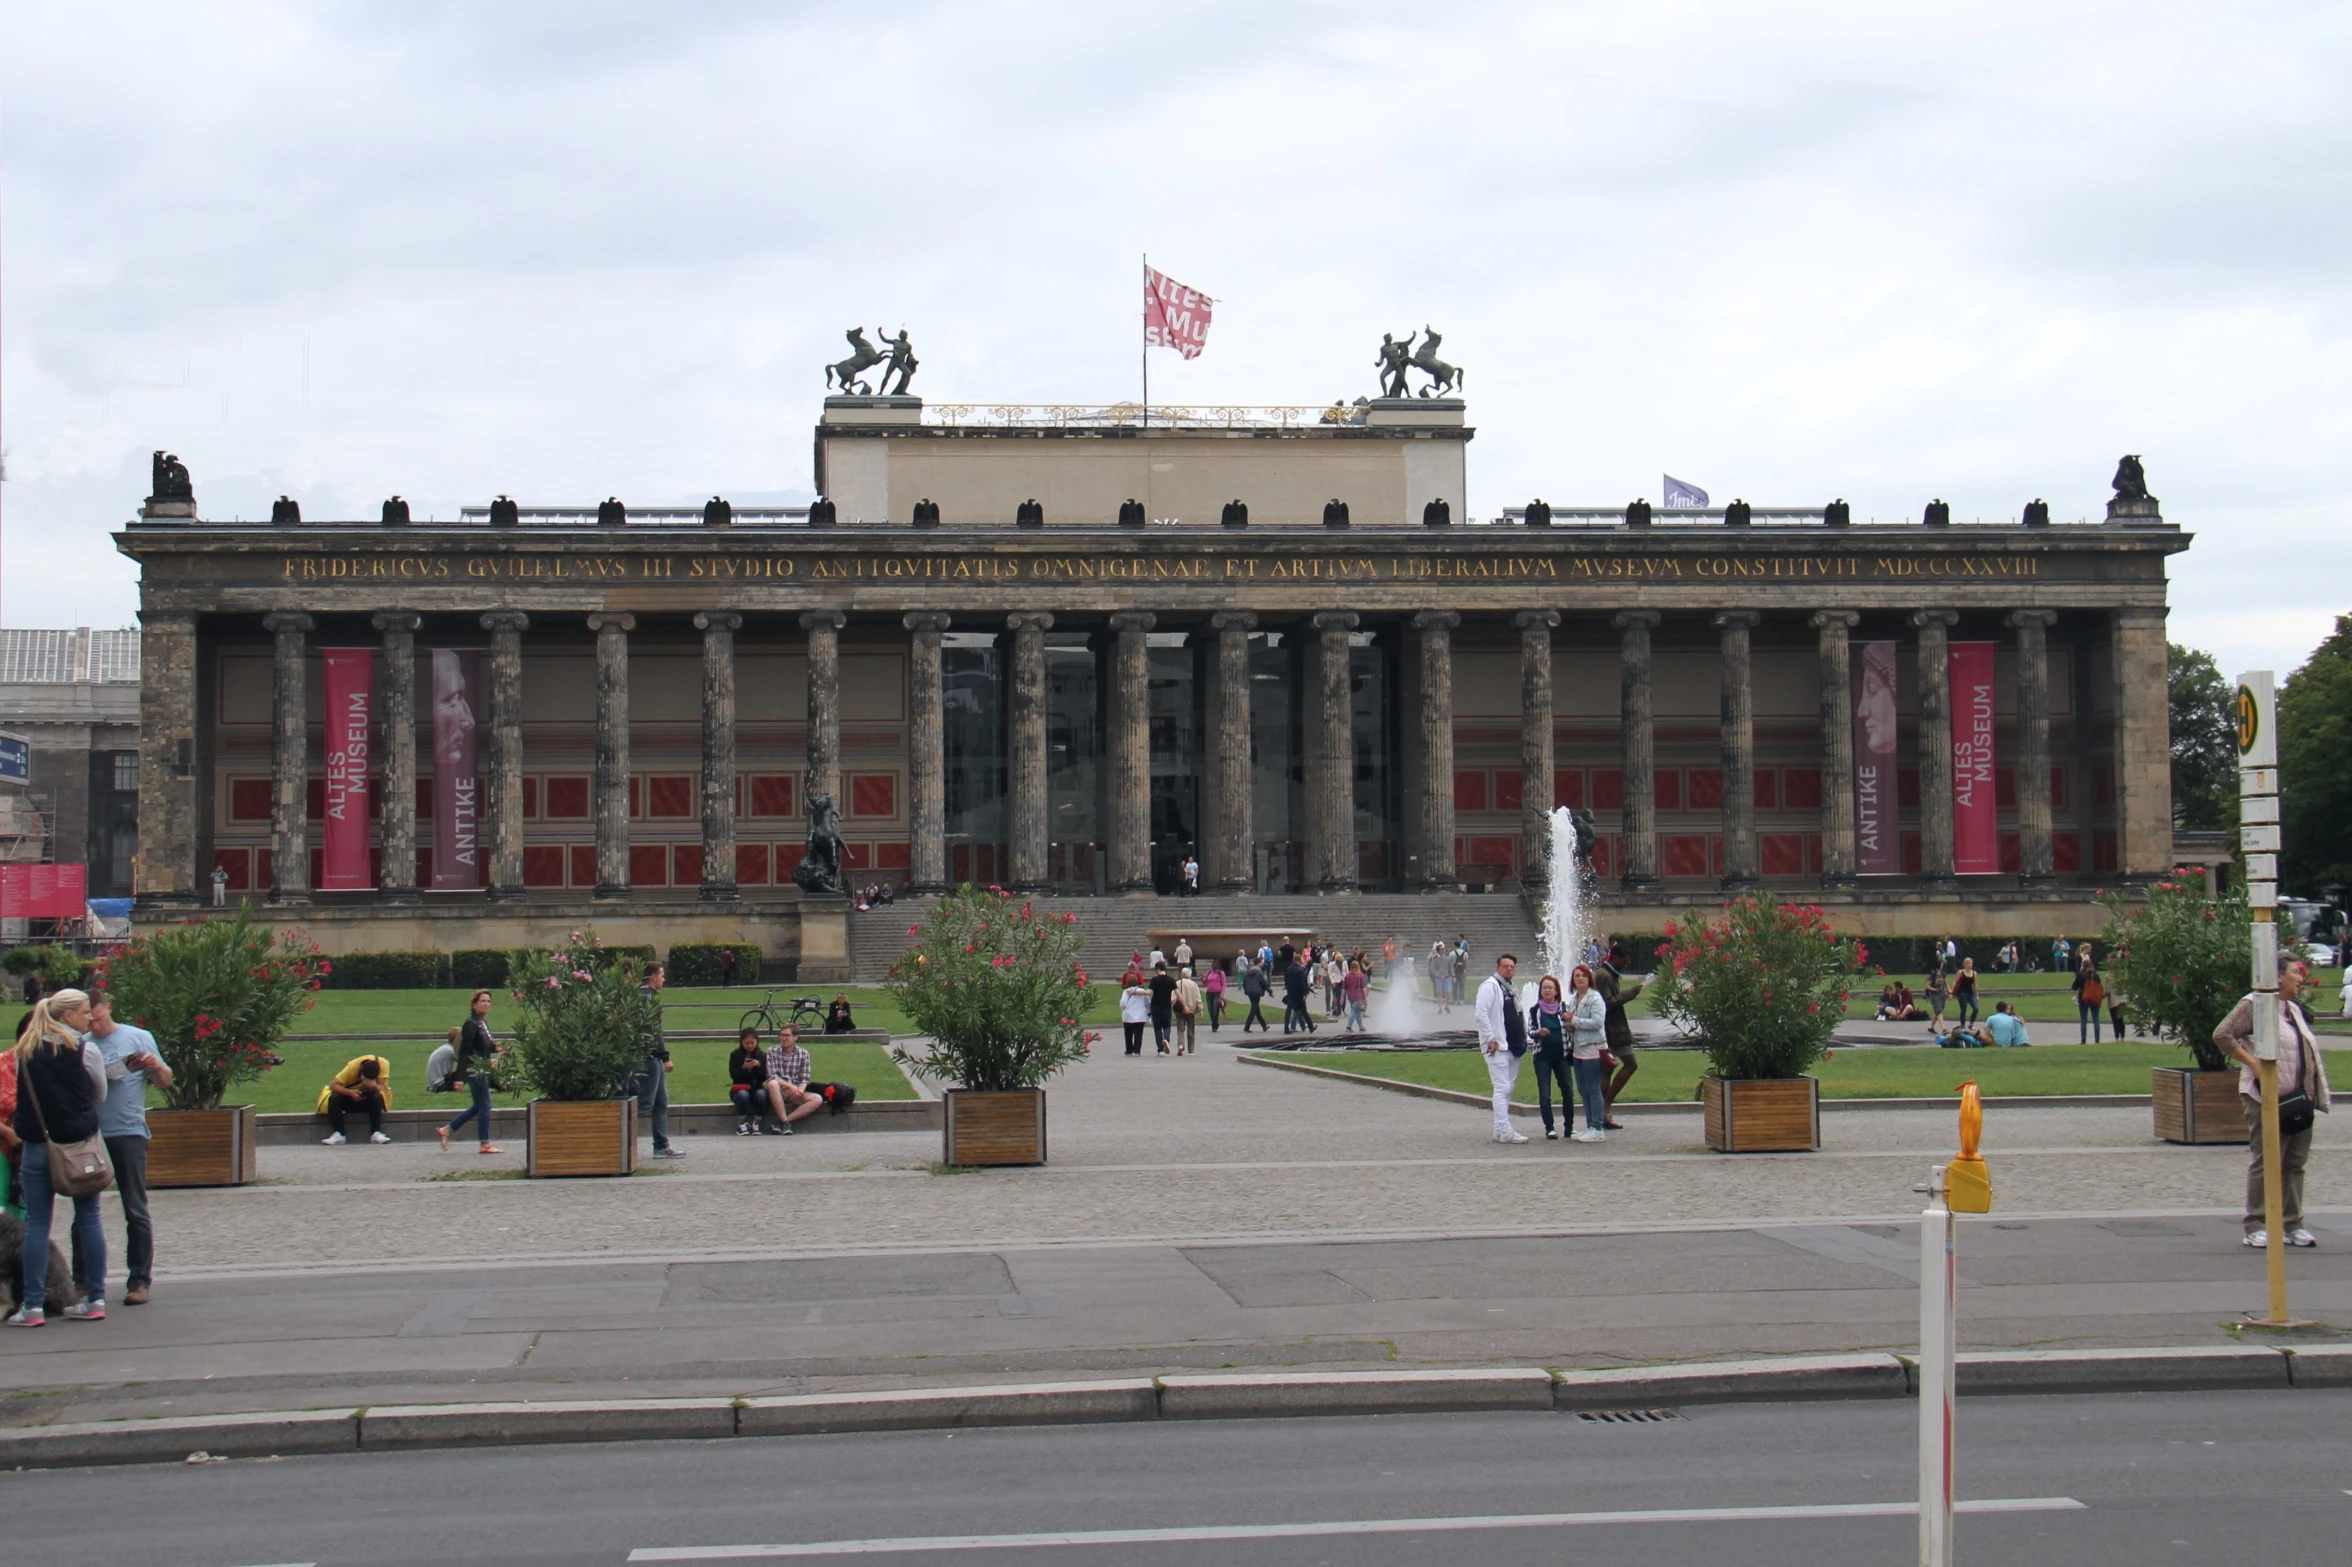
(764, 1017)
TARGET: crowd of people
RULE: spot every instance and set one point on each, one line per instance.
(1580, 1037)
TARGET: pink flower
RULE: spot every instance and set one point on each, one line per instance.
(914, 930)
(581, 975)
(554, 983)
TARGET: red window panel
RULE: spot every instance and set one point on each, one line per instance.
(314, 800)
(1911, 854)
(239, 864)
(1706, 788)
(1907, 788)
(2058, 788)
(1715, 852)
(1493, 851)
(636, 795)
(873, 794)
(2103, 785)
(1605, 857)
(1685, 854)
(790, 854)
(567, 799)
(857, 856)
(2066, 853)
(686, 861)
(1813, 853)
(530, 801)
(671, 795)
(1461, 850)
(771, 794)
(649, 864)
(583, 858)
(1568, 787)
(1608, 790)
(2012, 853)
(1469, 790)
(264, 873)
(1782, 853)
(1507, 793)
(2102, 853)
(424, 799)
(249, 799)
(1767, 789)
(1800, 788)
(897, 857)
(751, 865)
(1666, 789)
(2005, 788)
(543, 865)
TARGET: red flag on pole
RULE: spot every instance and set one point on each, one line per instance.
(1174, 316)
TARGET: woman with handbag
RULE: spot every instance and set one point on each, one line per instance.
(475, 1052)
(2090, 994)
(60, 1079)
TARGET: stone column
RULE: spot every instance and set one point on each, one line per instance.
(1535, 746)
(612, 752)
(1233, 832)
(1935, 744)
(718, 628)
(1641, 747)
(1738, 728)
(2143, 744)
(165, 875)
(2033, 744)
(396, 685)
(505, 824)
(1433, 813)
(289, 761)
(926, 755)
(1837, 746)
(1025, 813)
(1128, 773)
(1331, 794)
(824, 704)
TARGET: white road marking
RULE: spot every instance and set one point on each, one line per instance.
(1295, 1531)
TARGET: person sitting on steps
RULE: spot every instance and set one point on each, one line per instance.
(788, 1076)
(365, 1083)
(747, 1082)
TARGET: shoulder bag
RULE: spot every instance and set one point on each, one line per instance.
(75, 1169)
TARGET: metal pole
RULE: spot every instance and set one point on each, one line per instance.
(1937, 1281)
(2258, 832)
(1146, 354)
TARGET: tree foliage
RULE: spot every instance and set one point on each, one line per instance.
(996, 988)
(2315, 768)
(2179, 959)
(217, 994)
(585, 1024)
(1762, 984)
(2204, 742)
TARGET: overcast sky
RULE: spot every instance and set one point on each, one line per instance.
(1785, 252)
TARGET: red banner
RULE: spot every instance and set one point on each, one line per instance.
(350, 686)
(44, 892)
(1976, 820)
(1878, 841)
(1174, 316)
(457, 782)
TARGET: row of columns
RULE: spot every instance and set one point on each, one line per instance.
(1330, 762)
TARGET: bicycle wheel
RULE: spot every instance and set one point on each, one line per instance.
(761, 1017)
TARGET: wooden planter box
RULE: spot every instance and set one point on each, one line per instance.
(1007, 1128)
(595, 1137)
(2194, 1106)
(202, 1147)
(1762, 1115)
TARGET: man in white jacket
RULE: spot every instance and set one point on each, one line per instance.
(1502, 1034)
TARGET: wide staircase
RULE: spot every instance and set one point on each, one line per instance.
(1115, 927)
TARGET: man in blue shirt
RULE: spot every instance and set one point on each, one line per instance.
(2006, 1027)
(132, 1062)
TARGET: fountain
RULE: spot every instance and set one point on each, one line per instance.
(1396, 1010)
(1562, 937)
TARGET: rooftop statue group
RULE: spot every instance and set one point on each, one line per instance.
(897, 360)
(1396, 358)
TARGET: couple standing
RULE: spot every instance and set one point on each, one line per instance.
(1565, 1032)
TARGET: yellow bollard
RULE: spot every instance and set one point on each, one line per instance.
(1968, 1186)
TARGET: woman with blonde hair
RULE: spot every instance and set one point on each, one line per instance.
(60, 1080)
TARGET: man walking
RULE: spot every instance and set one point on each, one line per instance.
(131, 1063)
(1298, 992)
(1253, 989)
(1188, 1011)
(1502, 1034)
(653, 1078)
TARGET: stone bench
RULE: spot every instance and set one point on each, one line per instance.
(417, 1126)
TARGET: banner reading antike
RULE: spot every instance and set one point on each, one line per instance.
(1976, 822)
(350, 687)
(1878, 841)
(457, 784)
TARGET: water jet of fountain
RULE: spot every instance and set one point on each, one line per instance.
(1561, 940)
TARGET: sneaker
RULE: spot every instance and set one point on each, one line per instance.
(1510, 1137)
(669, 1153)
(2257, 1239)
(25, 1317)
(378, 1137)
(783, 1128)
(2301, 1237)
(333, 1140)
(137, 1294)
(92, 1310)
(742, 1128)
(1551, 1136)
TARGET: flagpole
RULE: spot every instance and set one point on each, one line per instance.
(1146, 352)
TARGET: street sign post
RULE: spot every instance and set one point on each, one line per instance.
(16, 759)
(2258, 843)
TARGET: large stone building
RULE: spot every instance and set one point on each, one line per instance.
(74, 696)
(1059, 648)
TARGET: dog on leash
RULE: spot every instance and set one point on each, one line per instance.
(12, 1269)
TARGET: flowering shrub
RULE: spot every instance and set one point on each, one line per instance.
(997, 989)
(217, 995)
(2180, 960)
(1763, 985)
(584, 1025)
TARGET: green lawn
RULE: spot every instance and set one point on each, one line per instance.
(1848, 1074)
(433, 1013)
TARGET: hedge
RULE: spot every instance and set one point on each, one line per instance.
(388, 971)
(697, 962)
(479, 968)
(58, 967)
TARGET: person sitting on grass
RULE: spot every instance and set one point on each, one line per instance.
(838, 1018)
(365, 1083)
(2005, 1028)
(1895, 1004)
(747, 1082)
(788, 1076)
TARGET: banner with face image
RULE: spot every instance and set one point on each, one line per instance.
(1878, 839)
(457, 782)
(343, 827)
(1976, 820)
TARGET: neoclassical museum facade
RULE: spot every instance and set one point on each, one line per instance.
(1062, 648)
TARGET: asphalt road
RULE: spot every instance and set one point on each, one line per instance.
(2251, 1478)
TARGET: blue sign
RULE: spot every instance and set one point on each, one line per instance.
(16, 759)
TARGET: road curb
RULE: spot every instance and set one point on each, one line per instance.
(1132, 1400)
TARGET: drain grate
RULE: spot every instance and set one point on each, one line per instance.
(1627, 1417)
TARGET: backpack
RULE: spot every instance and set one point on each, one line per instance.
(440, 1067)
(2093, 993)
(838, 1095)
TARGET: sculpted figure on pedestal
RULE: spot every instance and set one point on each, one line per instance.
(820, 869)
(170, 480)
(2131, 481)
(849, 373)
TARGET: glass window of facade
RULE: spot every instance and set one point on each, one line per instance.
(1175, 724)
(1074, 721)
(1277, 762)
(972, 681)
